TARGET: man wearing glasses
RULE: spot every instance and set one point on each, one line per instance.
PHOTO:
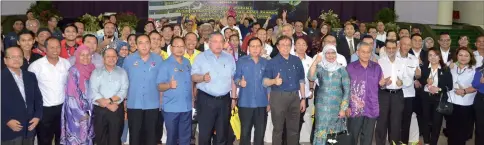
(445, 50)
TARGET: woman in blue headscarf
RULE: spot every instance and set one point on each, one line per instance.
(123, 50)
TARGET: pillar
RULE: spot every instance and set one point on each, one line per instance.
(445, 12)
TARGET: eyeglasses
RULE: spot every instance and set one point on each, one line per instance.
(15, 57)
(445, 40)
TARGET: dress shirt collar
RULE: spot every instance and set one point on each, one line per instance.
(15, 74)
(430, 65)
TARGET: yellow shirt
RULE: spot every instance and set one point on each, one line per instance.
(191, 58)
(164, 55)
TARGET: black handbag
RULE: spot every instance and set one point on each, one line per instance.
(444, 106)
(339, 138)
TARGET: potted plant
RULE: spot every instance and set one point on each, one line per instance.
(127, 19)
(43, 10)
(386, 15)
(91, 23)
(332, 19)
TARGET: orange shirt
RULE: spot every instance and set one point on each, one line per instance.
(68, 51)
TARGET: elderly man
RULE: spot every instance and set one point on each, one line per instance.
(204, 31)
(32, 25)
(390, 96)
(285, 75)
(143, 96)
(365, 76)
(109, 86)
(367, 39)
(51, 71)
(213, 72)
(21, 101)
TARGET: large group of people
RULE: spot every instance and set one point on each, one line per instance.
(63, 86)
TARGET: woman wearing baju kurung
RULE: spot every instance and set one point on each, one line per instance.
(76, 123)
(332, 98)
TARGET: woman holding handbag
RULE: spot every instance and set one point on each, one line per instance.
(332, 98)
(437, 81)
(462, 98)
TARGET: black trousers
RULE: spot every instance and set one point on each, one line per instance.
(19, 141)
(479, 118)
(253, 117)
(408, 109)
(142, 126)
(390, 119)
(362, 128)
(49, 125)
(213, 114)
(431, 132)
(159, 127)
(285, 113)
(458, 124)
(108, 125)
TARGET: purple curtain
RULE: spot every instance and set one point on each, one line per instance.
(74, 9)
(364, 11)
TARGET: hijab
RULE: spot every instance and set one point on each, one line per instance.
(84, 70)
(329, 66)
(118, 49)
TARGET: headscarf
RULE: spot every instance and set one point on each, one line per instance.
(329, 66)
(84, 70)
(118, 49)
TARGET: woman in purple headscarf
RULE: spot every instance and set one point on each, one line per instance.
(77, 125)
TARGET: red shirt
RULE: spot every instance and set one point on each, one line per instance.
(245, 43)
(38, 51)
(68, 51)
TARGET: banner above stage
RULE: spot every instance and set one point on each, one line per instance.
(206, 10)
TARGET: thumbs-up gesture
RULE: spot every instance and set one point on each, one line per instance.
(242, 82)
(173, 83)
(418, 73)
(278, 79)
(399, 82)
(382, 82)
(388, 81)
(206, 77)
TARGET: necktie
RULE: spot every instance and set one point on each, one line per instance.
(352, 50)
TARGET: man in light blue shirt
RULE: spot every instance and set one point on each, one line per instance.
(143, 95)
(213, 71)
(174, 80)
(109, 86)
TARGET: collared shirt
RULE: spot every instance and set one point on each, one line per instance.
(476, 82)
(180, 98)
(192, 57)
(445, 56)
(434, 76)
(478, 58)
(10, 39)
(20, 82)
(395, 70)
(105, 84)
(52, 79)
(411, 64)
(96, 59)
(306, 62)
(364, 89)
(381, 37)
(268, 49)
(462, 79)
(221, 71)
(291, 72)
(417, 54)
(143, 90)
(255, 93)
(351, 43)
(68, 51)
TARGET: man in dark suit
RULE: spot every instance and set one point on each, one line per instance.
(378, 44)
(347, 45)
(445, 50)
(21, 101)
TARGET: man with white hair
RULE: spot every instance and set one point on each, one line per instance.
(204, 31)
(32, 25)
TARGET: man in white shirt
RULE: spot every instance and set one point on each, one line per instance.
(231, 24)
(390, 96)
(479, 53)
(261, 34)
(445, 50)
(288, 30)
(381, 34)
(51, 72)
(411, 64)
